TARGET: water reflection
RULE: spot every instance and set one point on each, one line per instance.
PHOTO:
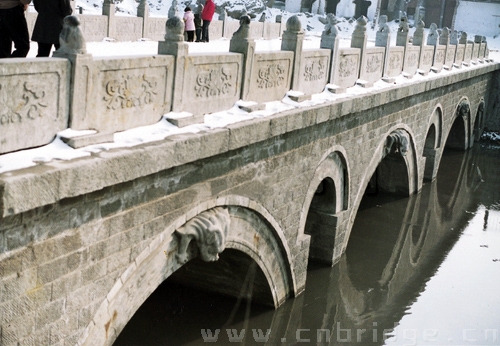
(392, 286)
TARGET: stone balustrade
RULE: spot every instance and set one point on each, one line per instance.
(41, 97)
(144, 26)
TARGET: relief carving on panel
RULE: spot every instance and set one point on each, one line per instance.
(130, 91)
(395, 61)
(347, 66)
(314, 70)
(21, 102)
(271, 76)
(412, 59)
(214, 82)
(373, 63)
(427, 58)
(440, 56)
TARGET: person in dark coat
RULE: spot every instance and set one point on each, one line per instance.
(49, 23)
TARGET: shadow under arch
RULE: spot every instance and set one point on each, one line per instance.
(398, 141)
(325, 207)
(432, 144)
(478, 122)
(246, 231)
(458, 138)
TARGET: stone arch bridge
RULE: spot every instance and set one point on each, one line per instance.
(84, 242)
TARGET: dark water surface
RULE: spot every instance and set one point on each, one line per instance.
(423, 270)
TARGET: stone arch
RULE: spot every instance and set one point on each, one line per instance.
(433, 143)
(325, 206)
(478, 122)
(239, 228)
(459, 134)
(409, 159)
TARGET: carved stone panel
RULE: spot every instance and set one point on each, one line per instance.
(468, 53)
(459, 56)
(475, 52)
(412, 57)
(212, 82)
(395, 61)
(217, 29)
(345, 69)
(450, 55)
(256, 30)
(373, 66)
(94, 28)
(33, 102)
(128, 28)
(426, 59)
(439, 56)
(128, 92)
(271, 76)
(271, 30)
(314, 69)
(482, 49)
(156, 29)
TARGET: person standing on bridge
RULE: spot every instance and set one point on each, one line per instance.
(49, 23)
(189, 23)
(14, 28)
(207, 15)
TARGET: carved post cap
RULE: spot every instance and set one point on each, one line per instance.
(71, 38)
(174, 29)
(294, 24)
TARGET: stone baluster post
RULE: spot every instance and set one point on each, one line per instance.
(174, 45)
(403, 37)
(108, 9)
(330, 40)
(480, 41)
(243, 44)
(74, 48)
(419, 40)
(419, 34)
(359, 38)
(433, 40)
(383, 39)
(433, 37)
(444, 40)
(172, 11)
(463, 40)
(143, 12)
(293, 41)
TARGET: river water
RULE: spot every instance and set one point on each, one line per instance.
(423, 270)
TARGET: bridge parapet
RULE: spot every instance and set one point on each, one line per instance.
(108, 95)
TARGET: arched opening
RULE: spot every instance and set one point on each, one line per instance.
(325, 213)
(381, 212)
(430, 154)
(478, 123)
(391, 175)
(321, 222)
(186, 303)
(457, 137)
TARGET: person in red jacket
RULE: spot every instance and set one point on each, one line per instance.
(206, 16)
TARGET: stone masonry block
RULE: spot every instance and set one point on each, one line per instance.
(246, 132)
(50, 313)
(18, 328)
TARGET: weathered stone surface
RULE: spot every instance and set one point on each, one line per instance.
(270, 77)
(31, 112)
